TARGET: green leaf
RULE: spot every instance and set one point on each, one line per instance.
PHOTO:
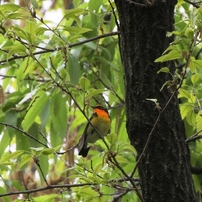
(73, 64)
(11, 118)
(92, 92)
(172, 55)
(35, 4)
(95, 5)
(18, 49)
(58, 110)
(78, 30)
(127, 147)
(9, 156)
(40, 31)
(94, 19)
(121, 159)
(34, 109)
(199, 121)
(65, 75)
(16, 16)
(45, 115)
(87, 193)
(21, 72)
(84, 83)
(198, 63)
(184, 109)
(194, 78)
(5, 140)
(164, 69)
(43, 161)
(48, 151)
(112, 137)
(5, 198)
(9, 7)
(48, 198)
(191, 118)
(75, 11)
(97, 169)
(20, 32)
(31, 26)
(30, 29)
(165, 84)
(184, 93)
(24, 160)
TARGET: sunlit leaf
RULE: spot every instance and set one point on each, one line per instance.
(9, 156)
(172, 55)
(199, 121)
(9, 7)
(164, 69)
(184, 109)
(184, 93)
(194, 78)
(84, 83)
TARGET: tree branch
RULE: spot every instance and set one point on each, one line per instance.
(60, 48)
(23, 132)
(195, 4)
(46, 188)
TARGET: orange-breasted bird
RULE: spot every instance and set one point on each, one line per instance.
(100, 122)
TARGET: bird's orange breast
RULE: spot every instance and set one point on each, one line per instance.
(101, 112)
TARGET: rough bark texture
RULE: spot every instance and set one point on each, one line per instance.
(164, 169)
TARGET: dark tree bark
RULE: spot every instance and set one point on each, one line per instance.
(164, 169)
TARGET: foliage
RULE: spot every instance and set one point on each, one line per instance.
(186, 52)
(52, 73)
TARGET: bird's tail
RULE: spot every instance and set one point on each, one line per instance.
(82, 147)
(84, 151)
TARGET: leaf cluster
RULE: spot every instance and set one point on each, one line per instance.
(51, 74)
(185, 51)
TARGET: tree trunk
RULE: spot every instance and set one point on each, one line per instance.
(164, 168)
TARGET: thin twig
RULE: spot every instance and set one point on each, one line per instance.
(25, 133)
(106, 86)
(25, 79)
(36, 160)
(191, 46)
(195, 4)
(69, 93)
(46, 188)
(60, 48)
(130, 179)
(194, 137)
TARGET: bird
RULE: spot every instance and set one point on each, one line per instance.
(99, 125)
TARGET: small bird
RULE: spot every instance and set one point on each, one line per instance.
(100, 122)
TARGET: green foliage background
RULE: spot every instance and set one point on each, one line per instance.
(52, 73)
